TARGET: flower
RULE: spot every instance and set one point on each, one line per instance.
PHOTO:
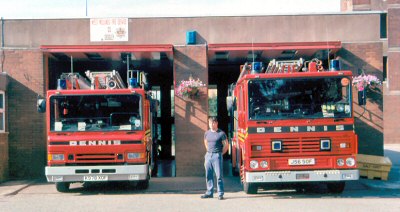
(364, 81)
(189, 88)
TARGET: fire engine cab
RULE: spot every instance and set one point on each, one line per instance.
(99, 129)
(292, 122)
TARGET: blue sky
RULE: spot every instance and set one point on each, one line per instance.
(27, 9)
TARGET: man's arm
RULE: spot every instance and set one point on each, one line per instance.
(225, 146)
(205, 144)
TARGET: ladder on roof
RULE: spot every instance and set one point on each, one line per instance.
(105, 80)
(75, 81)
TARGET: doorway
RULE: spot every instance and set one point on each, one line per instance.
(155, 60)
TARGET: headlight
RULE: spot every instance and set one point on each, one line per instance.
(340, 162)
(325, 145)
(276, 146)
(340, 108)
(132, 155)
(56, 157)
(264, 164)
(350, 162)
(253, 164)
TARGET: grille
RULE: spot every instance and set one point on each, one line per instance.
(96, 157)
(300, 145)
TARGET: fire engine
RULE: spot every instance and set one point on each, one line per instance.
(100, 130)
(292, 122)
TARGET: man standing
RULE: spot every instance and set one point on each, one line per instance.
(216, 144)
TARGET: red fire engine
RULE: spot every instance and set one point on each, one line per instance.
(100, 130)
(292, 123)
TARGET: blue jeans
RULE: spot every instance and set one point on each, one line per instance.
(213, 163)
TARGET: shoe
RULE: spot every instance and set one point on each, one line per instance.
(221, 198)
(205, 196)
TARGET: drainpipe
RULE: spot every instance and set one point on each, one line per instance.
(2, 45)
(2, 32)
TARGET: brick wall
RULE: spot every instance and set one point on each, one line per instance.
(190, 114)
(27, 149)
(392, 92)
(366, 57)
(3, 157)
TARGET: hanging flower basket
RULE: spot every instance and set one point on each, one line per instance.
(362, 83)
(189, 88)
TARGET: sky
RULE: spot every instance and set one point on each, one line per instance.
(36, 9)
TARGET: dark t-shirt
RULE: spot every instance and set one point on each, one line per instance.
(214, 140)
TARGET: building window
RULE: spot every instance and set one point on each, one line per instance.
(383, 25)
(2, 112)
(384, 68)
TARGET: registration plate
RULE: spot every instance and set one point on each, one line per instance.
(301, 162)
(95, 178)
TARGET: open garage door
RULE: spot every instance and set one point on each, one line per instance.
(155, 60)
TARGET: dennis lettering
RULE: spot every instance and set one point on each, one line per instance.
(95, 143)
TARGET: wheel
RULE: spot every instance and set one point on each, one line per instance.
(250, 188)
(235, 171)
(62, 187)
(336, 187)
(143, 184)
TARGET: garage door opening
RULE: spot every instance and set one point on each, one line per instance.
(155, 60)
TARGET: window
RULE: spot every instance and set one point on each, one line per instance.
(2, 112)
(212, 100)
(383, 23)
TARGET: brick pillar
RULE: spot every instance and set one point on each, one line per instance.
(392, 87)
(27, 140)
(190, 113)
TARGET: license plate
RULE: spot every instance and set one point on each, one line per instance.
(302, 176)
(95, 178)
(301, 162)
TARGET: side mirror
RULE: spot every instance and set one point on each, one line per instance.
(154, 105)
(41, 104)
(230, 104)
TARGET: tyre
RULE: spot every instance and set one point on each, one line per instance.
(143, 184)
(250, 188)
(336, 187)
(62, 187)
(235, 171)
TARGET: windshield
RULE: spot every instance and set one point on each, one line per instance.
(95, 113)
(300, 98)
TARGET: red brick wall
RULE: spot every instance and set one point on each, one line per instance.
(393, 27)
(190, 114)
(392, 92)
(369, 118)
(27, 149)
(391, 116)
(3, 156)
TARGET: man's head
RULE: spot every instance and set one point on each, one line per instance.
(213, 123)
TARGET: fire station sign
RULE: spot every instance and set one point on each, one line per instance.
(108, 29)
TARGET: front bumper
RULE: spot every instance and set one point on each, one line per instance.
(96, 173)
(302, 176)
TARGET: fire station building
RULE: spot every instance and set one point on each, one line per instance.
(364, 37)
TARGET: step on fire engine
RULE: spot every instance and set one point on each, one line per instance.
(100, 130)
(292, 123)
